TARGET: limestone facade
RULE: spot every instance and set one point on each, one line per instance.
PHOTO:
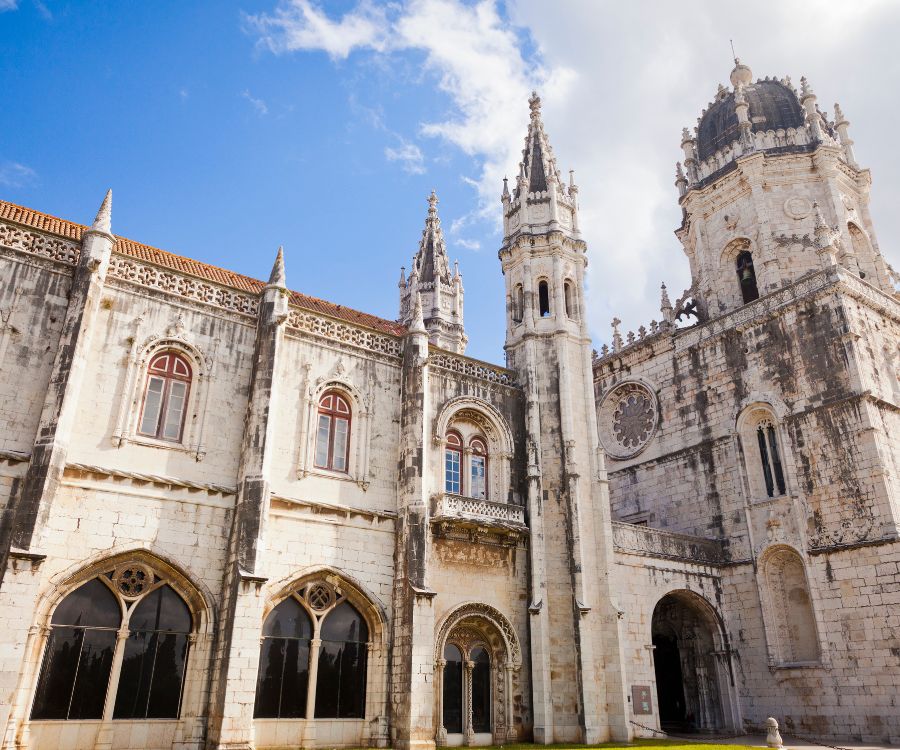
(351, 534)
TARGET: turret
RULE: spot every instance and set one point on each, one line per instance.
(440, 291)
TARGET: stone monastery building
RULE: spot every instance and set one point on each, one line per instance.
(381, 542)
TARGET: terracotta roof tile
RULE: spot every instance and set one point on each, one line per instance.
(70, 230)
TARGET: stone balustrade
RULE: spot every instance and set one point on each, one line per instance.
(641, 540)
(477, 520)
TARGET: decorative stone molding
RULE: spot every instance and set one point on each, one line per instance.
(47, 246)
(471, 519)
(472, 368)
(344, 333)
(491, 616)
(628, 418)
(159, 479)
(641, 540)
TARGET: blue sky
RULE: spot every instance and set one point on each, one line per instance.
(228, 128)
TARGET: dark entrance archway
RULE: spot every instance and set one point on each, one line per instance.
(693, 680)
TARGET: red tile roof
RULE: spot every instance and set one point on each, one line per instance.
(53, 225)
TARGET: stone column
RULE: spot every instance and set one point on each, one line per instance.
(508, 671)
(468, 730)
(441, 736)
(105, 733)
(17, 731)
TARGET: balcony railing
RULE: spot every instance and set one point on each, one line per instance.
(472, 518)
(641, 540)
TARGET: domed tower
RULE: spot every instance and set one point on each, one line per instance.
(763, 163)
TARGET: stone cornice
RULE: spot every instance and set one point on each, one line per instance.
(472, 368)
(143, 478)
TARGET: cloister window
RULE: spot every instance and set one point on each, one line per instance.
(313, 658)
(478, 469)
(165, 397)
(453, 464)
(83, 647)
(466, 471)
(770, 458)
(481, 690)
(453, 689)
(543, 299)
(333, 432)
(747, 277)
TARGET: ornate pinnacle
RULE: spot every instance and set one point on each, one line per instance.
(432, 204)
(402, 283)
(505, 193)
(417, 324)
(805, 89)
(277, 277)
(534, 101)
(839, 118)
(617, 337)
(103, 220)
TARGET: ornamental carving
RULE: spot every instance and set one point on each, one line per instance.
(133, 580)
(798, 207)
(629, 416)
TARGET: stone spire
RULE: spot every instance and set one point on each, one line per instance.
(541, 197)
(277, 277)
(103, 220)
(841, 125)
(440, 290)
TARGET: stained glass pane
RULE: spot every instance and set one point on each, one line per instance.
(152, 404)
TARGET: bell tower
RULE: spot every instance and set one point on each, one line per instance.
(576, 670)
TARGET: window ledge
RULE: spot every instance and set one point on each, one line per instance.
(799, 665)
(329, 474)
(157, 443)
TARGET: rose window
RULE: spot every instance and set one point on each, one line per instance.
(628, 418)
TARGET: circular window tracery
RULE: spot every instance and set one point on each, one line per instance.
(628, 416)
(133, 580)
(320, 596)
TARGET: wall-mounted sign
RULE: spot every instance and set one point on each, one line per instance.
(641, 700)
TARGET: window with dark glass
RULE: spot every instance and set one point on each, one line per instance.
(481, 690)
(453, 464)
(453, 688)
(747, 277)
(341, 680)
(165, 397)
(543, 299)
(567, 293)
(478, 469)
(770, 458)
(284, 663)
(79, 655)
(154, 659)
(333, 432)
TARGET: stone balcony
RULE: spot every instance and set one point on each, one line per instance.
(641, 540)
(475, 520)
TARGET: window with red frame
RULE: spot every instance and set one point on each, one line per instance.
(333, 433)
(453, 464)
(478, 469)
(165, 397)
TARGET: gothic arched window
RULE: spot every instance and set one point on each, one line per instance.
(481, 690)
(314, 632)
(788, 608)
(453, 464)
(770, 457)
(165, 397)
(543, 298)
(84, 645)
(518, 303)
(340, 689)
(281, 687)
(79, 655)
(747, 276)
(478, 469)
(333, 432)
(453, 688)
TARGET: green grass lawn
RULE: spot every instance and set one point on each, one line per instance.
(638, 742)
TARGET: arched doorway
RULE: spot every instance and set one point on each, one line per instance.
(477, 655)
(693, 676)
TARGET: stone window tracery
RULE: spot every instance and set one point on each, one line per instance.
(518, 303)
(770, 458)
(333, 432)
(543, 298)
(466, 465)
(117, 649)
(628, 419)
(764, 453)
(165, 397)
(313, 658)
(568, 295)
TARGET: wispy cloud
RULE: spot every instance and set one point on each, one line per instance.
(301, 25)
(468, 244)
(15, 175)
(184, 94)
(258, 104)
(8, 5)
(409, 155)
(43, 10)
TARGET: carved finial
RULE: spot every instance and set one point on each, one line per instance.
(685, 135)
(505, 193)
(617, 337)
(665, 303)
(534, 101)
(805, 89)
(721, 92)
(103, 220)
(402, 282)
(432, 204)
(277, 277)
(417, 324)
(741, 75)
(839, 118)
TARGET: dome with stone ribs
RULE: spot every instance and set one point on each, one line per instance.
(773, 105)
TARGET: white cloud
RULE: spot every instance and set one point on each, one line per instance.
(644, 71)
(15, 175)
(184, 94)
(468, 244)
(301, 25)
(8, 5)
(258, 104)
(409, 155)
